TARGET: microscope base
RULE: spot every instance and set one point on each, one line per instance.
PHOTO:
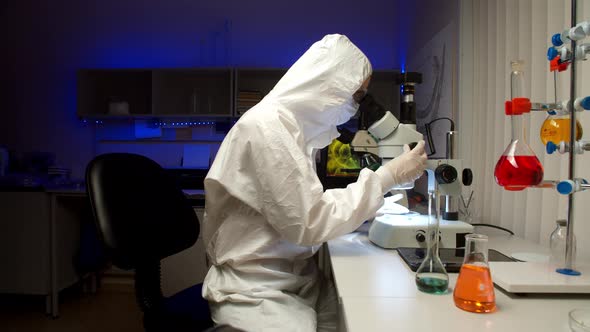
(404, 230)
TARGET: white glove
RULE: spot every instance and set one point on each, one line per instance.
(403, 169)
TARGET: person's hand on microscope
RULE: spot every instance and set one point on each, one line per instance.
(405, 168)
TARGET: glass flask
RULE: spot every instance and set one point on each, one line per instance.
(557, 242)
(474, 290)
(556, 128)
(431, 276)
(518, 167)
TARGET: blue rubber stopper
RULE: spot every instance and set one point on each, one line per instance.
(550, 147)
(556, 40)
(568, 272)
(551, 112)
(551, 53)
(564, 188)
(585, 103)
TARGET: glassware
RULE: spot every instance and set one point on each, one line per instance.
(557, 242)
(579, 320)
(556, 128)
(518, 167)
(467, 210)
(474, 290)
(431, 276)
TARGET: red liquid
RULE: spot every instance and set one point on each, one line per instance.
(474, 290)
(518, 172)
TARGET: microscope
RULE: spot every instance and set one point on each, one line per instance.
(379, 125)
(382, 134)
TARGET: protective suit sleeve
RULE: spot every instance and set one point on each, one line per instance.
(292, 199)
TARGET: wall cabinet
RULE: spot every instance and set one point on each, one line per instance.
(193, 92)
(99, 90)
(155, 93)
(251, 85)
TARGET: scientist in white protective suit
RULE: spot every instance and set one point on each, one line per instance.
(266, 212)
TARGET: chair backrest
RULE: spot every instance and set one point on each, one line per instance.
(142, 214)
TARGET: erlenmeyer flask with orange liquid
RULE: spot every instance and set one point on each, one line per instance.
(518, 167)
(474, 290)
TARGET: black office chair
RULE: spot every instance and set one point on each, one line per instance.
(143, 217)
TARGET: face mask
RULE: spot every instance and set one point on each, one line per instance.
(347, 111)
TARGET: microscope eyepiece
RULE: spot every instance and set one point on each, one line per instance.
(370, 112)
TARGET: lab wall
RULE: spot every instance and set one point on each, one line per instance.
(493, 34)
(434, 52)
(45, 43)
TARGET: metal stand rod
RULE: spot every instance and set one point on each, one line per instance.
(569, 259)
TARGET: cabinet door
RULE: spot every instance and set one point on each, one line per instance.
(252, 85)
(186, 268)
(199, 92)
(114, 92)
(24, 243)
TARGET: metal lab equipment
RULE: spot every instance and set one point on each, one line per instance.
(409, 230)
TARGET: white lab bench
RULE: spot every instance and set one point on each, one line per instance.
(377, 292)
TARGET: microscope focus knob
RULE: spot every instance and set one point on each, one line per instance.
(467, 176)
(445, 174)
(420, 237)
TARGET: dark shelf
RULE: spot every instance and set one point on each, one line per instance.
(191, 93)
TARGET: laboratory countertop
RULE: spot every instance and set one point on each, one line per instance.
(378, 293)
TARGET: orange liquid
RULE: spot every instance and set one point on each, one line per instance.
(557, 130)
(474, 291)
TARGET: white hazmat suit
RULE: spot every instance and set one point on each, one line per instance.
(266, 212)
